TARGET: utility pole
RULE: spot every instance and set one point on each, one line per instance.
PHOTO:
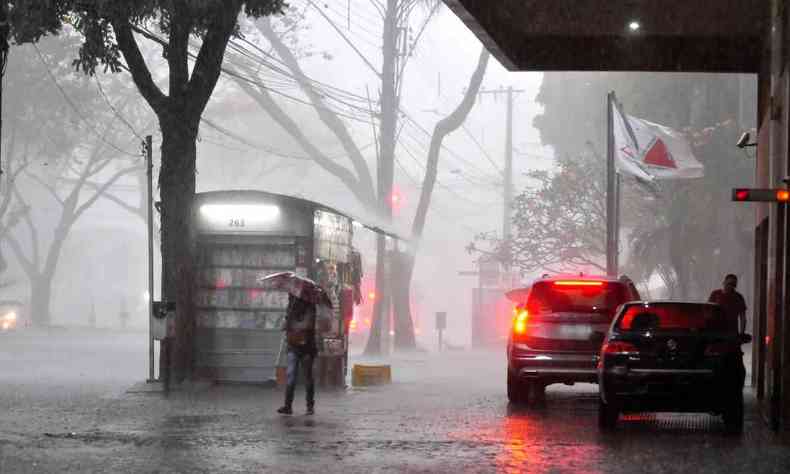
(5, 29)
(507, 209)
(149, 167)
(378, 343)
(508, 168)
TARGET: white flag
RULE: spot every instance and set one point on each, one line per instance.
(651, 151)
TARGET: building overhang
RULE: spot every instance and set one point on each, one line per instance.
(598, 35)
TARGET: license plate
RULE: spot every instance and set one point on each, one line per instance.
(569, 331)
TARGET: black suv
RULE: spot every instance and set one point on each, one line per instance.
(672, 356)
(559, 324)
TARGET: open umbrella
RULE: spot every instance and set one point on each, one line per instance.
(297, 286)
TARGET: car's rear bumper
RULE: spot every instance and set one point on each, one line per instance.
(554, 367)
(668, 389)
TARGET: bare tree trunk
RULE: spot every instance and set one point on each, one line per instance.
(404, 326)
(177, 190)
(40, 298)
(402, 268)
(381, 303)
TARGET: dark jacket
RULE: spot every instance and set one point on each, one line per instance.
(300, 326)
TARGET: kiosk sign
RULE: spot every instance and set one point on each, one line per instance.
(240, 217)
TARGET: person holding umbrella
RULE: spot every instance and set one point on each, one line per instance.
(304, 296)
(299, 327)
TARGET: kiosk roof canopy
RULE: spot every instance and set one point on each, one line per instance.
(248, 196)
(620, 35)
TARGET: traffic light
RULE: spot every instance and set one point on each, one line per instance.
(396, 200)
(761, 194)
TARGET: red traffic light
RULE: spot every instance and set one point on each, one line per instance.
(761, 194)
(396, 200)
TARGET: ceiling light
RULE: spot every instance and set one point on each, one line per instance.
(634, 26)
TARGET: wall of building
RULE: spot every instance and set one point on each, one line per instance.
(772, 330)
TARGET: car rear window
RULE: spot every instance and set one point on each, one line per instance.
(674, 317)
(585, 296)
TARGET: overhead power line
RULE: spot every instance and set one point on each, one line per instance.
(76, 110)
(114, 110)
(151, 35)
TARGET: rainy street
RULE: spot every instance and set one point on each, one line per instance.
(89, 412)
(505, 236)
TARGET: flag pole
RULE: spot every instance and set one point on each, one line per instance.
(611, 190)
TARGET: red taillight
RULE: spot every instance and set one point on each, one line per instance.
(520, 321)
(619, 347)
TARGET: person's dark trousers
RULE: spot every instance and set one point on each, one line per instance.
(296, 359)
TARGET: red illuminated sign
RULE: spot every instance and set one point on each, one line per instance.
(761, 195)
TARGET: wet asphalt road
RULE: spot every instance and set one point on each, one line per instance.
(64, 407)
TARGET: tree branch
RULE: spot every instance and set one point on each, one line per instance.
(330, 119)
(141, 75)
(32, 228)
(208, 65)
(267, 103)
(134, 210)
(100, 192)
(50, 188)
(446, 126)
(27, 265)
(178, 50)
(7, 198)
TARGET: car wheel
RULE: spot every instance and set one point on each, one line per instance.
(733, 414)
(517, 390)
(607, 414)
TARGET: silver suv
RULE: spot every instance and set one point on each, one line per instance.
(559, 324)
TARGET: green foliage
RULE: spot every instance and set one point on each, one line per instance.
(30, 20)
(559, 223)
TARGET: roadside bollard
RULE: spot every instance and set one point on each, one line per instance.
(366, 375)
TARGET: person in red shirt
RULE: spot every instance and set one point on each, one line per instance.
(732, 303)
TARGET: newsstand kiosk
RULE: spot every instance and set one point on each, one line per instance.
(243, 235)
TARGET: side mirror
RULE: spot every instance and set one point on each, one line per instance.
(744, 338)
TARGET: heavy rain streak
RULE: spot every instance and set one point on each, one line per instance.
(394, 236)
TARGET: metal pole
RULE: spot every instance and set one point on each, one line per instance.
(508, 198)
(149, 166)
(480, 320)
(611, 196)
(617, 201)
(4, 31)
